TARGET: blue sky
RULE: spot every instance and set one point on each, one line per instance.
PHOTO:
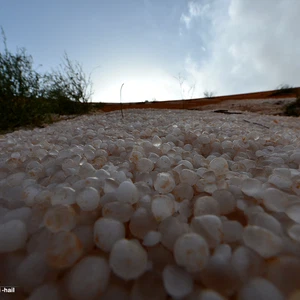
(224, 46)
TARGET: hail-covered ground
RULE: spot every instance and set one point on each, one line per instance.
(163, 204)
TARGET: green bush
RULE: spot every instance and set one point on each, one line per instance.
(29, 98)
(293, 109)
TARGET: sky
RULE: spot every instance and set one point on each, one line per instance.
(161, 49)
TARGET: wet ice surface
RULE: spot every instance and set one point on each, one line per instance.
(163, 204)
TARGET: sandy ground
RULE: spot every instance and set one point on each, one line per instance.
(261, 106)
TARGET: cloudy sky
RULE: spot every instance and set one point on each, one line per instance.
(221, 46)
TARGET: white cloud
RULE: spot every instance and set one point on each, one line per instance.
(253, 45)
(195, 10)
(186, 20)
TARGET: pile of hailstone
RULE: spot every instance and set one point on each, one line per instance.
(158, 205)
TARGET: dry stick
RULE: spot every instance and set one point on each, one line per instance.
(121, 101)
(257, 124)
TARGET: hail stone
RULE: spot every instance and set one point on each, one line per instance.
(210, 295)
(89, 278)
(46, 291)
(32, 271)
(127, 192)
(274, 200)
(162, 207)
(263, 241)
(128, 259)
(170, 229)
(251, 187)
(294, 232)
(219, 165)
(88, 199)
(141, 222)
(247, 263)
(188, 176)
(107, 232)
(152, 238)
(178, 283)
(13, 236)
(183, 191)
(232, 231)
(144, 165)
(64, 250)
(60, 218)
(226, 200)
(206, 205)
(293, 211)
(209, 227)
(191, 252)
(63, 195)
(164, 183)
(118, 210)
(259, 288)
(265, 220)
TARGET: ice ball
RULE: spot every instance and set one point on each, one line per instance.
(178, 283)
(128, 259)
(127, 192)
(162, 207)
(191, 252)
(89, 278)
(60, 217)
(64, 250)
(107, 232)
(13, 236)
(88, 199)
(263, 241)
(164, 183)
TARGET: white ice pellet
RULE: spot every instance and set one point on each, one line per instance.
(127, 192)
(162, 207)
(232, 231)
(247, 263)
(191, 252)
(170, 229)
(293, 211)
(128, 259)
(141, 222)
(152, 238)
(164, 183)
(63, 195)
(263, 241)
(183, 191)
(88, 278)
(206, 205)
(219, 165)
(145, 165)
(48, 291)
(63, 250)
(259, 288)
(107, 232)
(23, 214)
(188, 176)
(60, 217)
(226, 200)
(88, 199)
(118, 210)
(210, 295)
(251, 187)
(294, 232)
(13, 236)
(209, 227)
(32, 271)
(178, 283)
(274, 199)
